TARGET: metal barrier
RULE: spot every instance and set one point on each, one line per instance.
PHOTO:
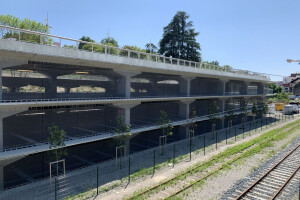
(115, 51)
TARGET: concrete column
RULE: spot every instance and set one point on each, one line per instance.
(1, 134)
(0, 84)
(246, 85)
(184, 109)
(126, 110)
(185, 85)
(124, 83)
(224, 81)
(51, 87)
(1, 178)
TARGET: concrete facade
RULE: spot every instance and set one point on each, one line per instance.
(84, 92)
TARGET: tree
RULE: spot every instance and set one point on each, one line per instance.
(254, 111)
(123, 132)
(109, 41)
(151, 48)
(164, 124)
(229, 116)
(57, 144)
(193, 125)
(275, 88)
(214, 113)
(179, 39)
(87, 39)
(9, 20)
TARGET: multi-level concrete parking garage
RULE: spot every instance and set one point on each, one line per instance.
(83, 92)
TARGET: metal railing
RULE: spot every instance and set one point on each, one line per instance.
(116, 51)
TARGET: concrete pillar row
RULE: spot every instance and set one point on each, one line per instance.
(223, 101)
(185, 85)
(126, 108)
(124, 84)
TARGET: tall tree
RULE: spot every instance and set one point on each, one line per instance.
(179, 39)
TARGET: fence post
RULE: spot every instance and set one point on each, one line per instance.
(226, 136)
(216, 140)
(243, 131)
(97, 180)
(128, 169)
(154, 161)
(235, 133)
(261, 123)
(173, 155)
(190, 148)
(204, 143)
(250, 128)
(266, 122)
(255, 125)
(55, 188)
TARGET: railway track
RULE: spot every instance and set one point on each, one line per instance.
(191, 177)
(271, 183)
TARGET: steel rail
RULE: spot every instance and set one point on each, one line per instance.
(285, 183)
(267, 173)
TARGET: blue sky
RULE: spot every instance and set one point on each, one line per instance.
(256, 35)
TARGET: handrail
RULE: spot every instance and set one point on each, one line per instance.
(166, 60)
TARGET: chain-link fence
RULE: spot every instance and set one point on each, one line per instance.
(95, 177)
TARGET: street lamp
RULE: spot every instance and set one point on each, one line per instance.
(290, 60)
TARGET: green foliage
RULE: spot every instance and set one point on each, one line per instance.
(123, 132)
(280, 97)
(179, 39)
(214, 112)
(193, 114)
(87, 39)
(56, 141)
(109, 41)
(254, 109)
(229, 115)
(243, 109)
(9, 20)
(276, 89)
(151, 48)
(164, 123)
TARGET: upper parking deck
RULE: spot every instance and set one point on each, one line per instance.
(109, 57)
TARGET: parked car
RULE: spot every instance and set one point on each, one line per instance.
(288, 109)
(295, 108)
